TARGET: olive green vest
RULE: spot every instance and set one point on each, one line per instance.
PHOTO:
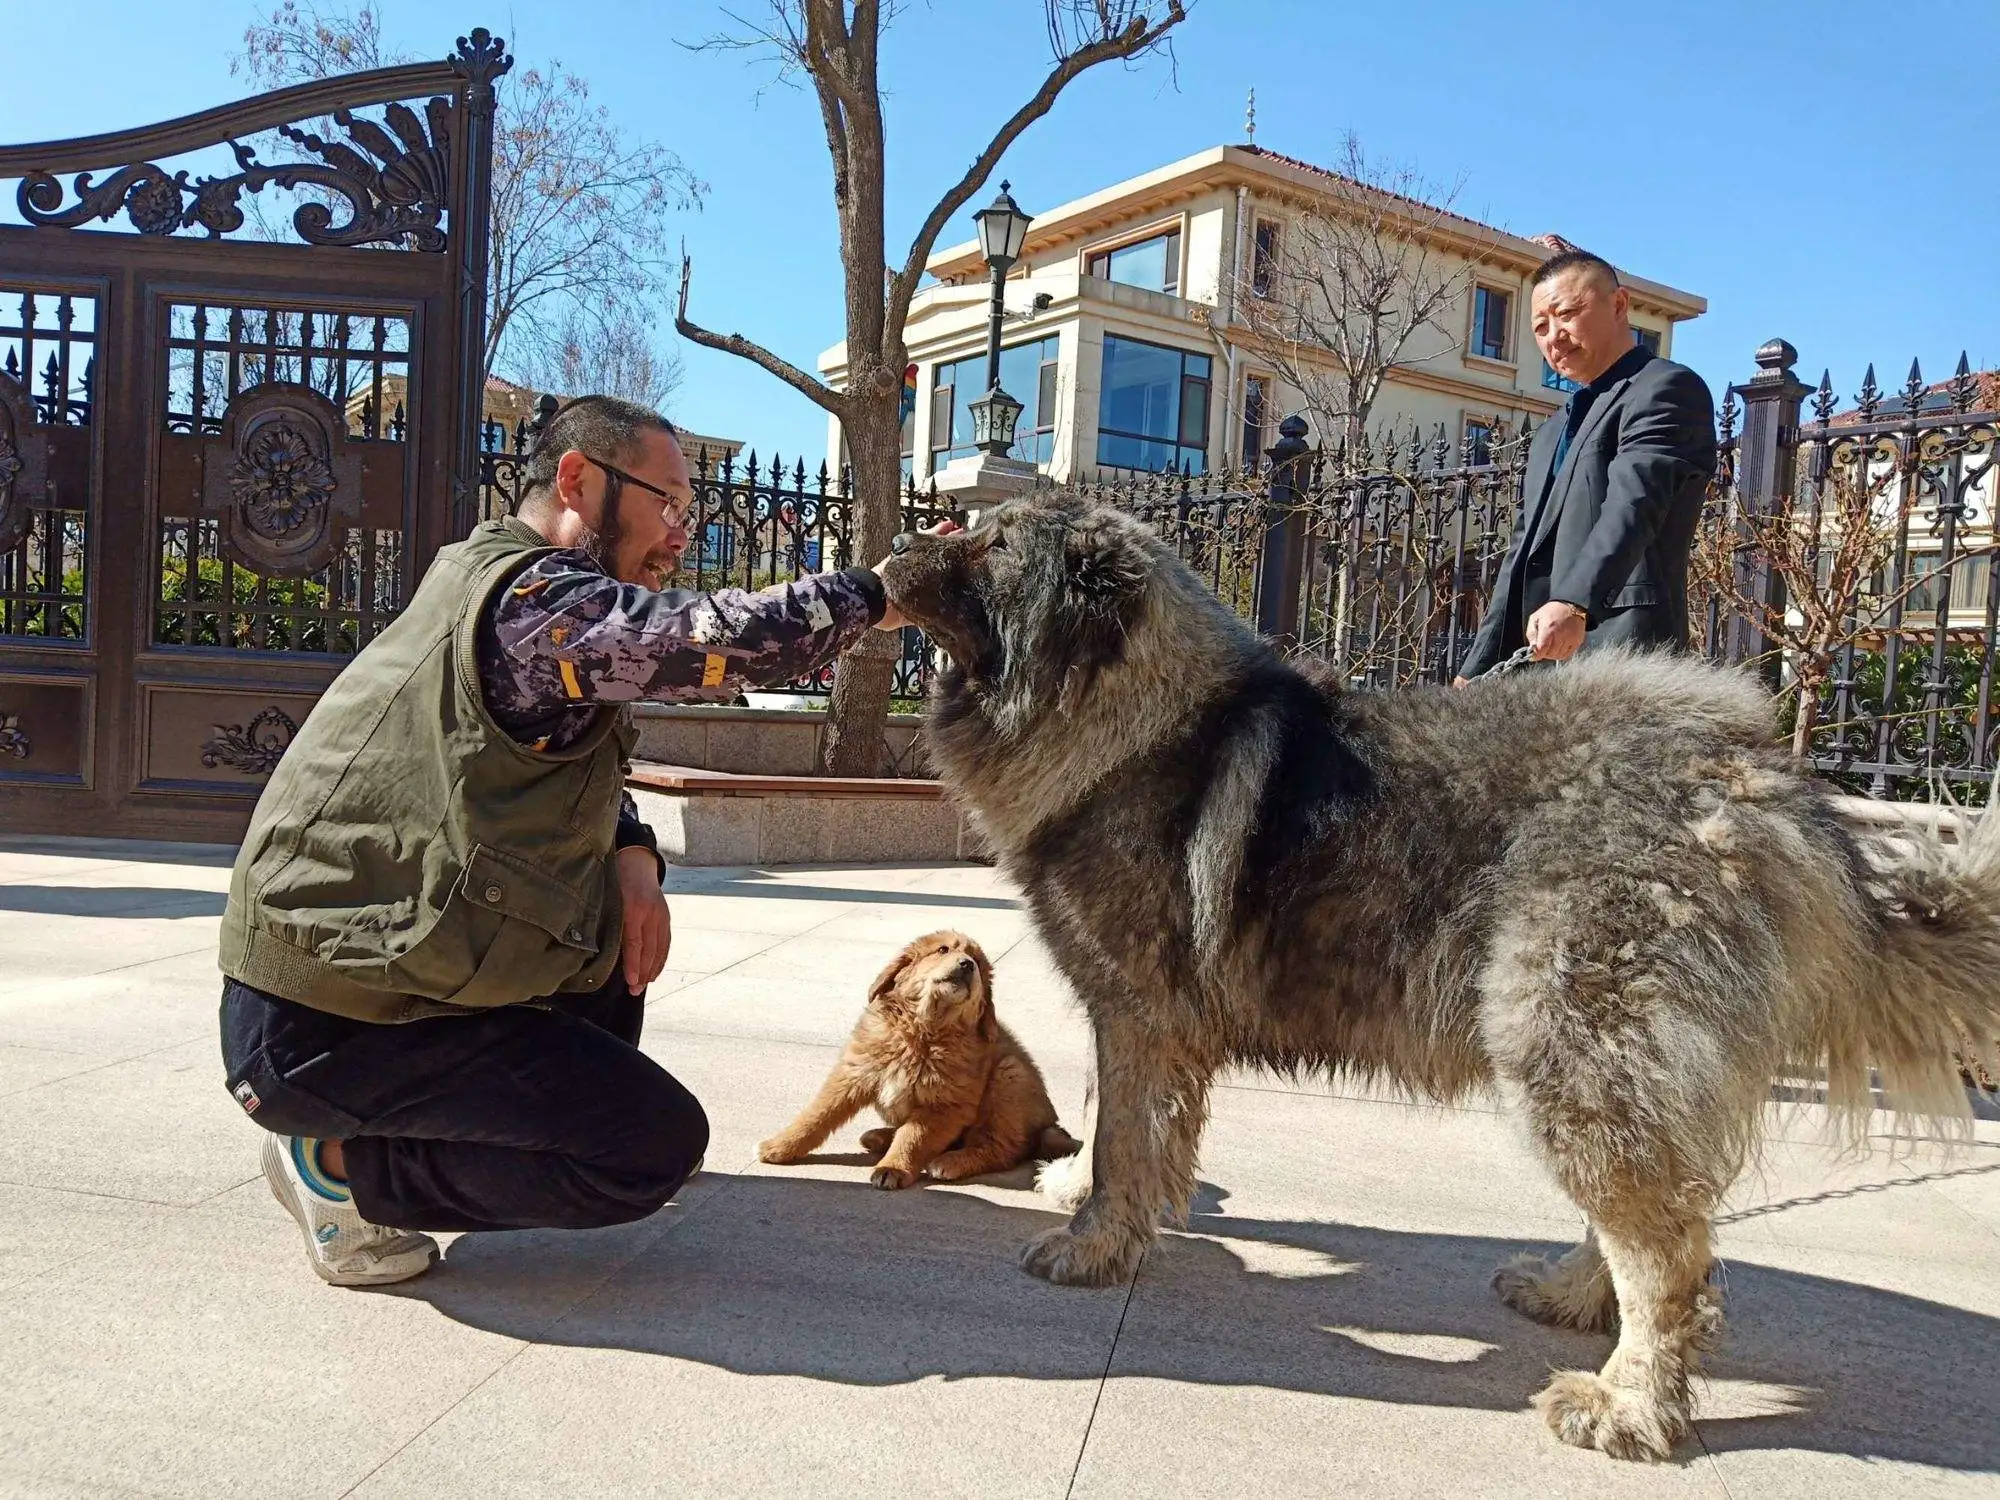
(409, 857)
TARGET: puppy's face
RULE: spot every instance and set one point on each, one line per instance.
(1030, 604)
(940, 982)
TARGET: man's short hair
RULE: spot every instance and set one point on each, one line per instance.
(605, 427)
(1569, 260)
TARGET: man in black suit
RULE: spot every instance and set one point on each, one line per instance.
(1614, 485)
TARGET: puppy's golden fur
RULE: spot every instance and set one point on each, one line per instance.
(961, 1096)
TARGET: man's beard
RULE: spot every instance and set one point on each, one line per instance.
(601, 545)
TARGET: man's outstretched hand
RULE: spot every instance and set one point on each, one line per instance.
(649, 932)
(892, 617)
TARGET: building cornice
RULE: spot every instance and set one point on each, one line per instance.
(1285, 184)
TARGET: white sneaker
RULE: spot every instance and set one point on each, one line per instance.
(344, 1248)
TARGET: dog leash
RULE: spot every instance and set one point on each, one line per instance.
(1525, 657)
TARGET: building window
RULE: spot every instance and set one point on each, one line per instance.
(1256, 417)
(1492, 320)
(1479, 439)
(1264, 257)
(1027, 373)
(1557, 382)
(1154, 264)
(1647, 339)
(1153, 410)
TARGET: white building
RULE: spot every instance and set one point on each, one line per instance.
(1125, 344)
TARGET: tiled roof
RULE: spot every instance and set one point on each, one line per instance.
(1937, 398)
(1554, 242)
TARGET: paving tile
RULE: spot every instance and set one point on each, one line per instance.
(158, 1128)
(124, 1011)
(1845, 1374)
(1281, 1356)
(1889, 1202)
(208, 1361)
(42, 1229)
(30, 1067)
(794, 1336)
(1390, 1165)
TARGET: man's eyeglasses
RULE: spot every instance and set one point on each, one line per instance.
(676, 509)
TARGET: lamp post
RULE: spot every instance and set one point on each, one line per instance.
(1003, 230)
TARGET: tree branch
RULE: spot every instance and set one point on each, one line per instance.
(815, 391)
(1134, 39)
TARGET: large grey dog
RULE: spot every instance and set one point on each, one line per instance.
(1596, 888)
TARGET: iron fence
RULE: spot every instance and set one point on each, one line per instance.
(752, 525)
(1852, 557)
(1381, 559)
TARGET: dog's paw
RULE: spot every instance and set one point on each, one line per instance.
(955, 1166)
(876, 1141)
(1556, 1294)
(1082, 1259)
(1065, 1183)
(890, 1178)
(779, 1152)
(1586, 1411)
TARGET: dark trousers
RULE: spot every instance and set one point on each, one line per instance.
(516, 1118)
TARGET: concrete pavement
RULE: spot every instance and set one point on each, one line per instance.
(1323, 1328)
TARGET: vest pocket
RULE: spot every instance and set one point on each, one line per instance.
(543, 931)
(504, 883)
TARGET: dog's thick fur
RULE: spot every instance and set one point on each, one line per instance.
(1596, 888)
(961, 1095)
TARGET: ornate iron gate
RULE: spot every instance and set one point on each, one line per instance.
(228, 446)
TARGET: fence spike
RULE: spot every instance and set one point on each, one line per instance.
(1823, 401)
(1913, 390)
(1964, 388)
(1441, 450)
(1871, 395)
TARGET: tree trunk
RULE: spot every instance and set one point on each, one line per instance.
(1807, 715)
(858, 712)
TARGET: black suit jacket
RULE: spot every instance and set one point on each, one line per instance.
(1612, 533)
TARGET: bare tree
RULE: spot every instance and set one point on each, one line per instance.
(613, 356)
(580, 209)
(833, 44)
(1339, 303)
(1830, 549)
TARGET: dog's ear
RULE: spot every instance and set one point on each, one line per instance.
(989, 1019)
(885, 982)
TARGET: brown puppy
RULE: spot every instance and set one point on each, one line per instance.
(962, 1096)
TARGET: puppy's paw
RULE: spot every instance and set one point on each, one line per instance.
(876, 1141)
(779, 1152)
(1065, 1183)
(955, 1166)
(890, 1178)
(1082, 1259)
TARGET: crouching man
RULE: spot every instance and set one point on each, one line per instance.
(446, 912)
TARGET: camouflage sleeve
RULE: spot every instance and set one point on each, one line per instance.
(569, 634)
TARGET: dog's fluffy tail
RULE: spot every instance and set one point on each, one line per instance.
(1931, 1004)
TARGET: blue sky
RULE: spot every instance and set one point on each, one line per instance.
(1814, 173)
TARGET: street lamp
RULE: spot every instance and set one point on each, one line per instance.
(1003, 230)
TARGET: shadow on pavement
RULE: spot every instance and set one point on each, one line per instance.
(111, 901)
(836, 1281)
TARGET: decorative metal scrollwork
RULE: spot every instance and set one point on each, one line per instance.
(23, 462)
(254, 748)
(12, 741)
(397, 197)
(282, 479)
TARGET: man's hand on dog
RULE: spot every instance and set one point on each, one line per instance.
(892, 617)
(649, 932)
